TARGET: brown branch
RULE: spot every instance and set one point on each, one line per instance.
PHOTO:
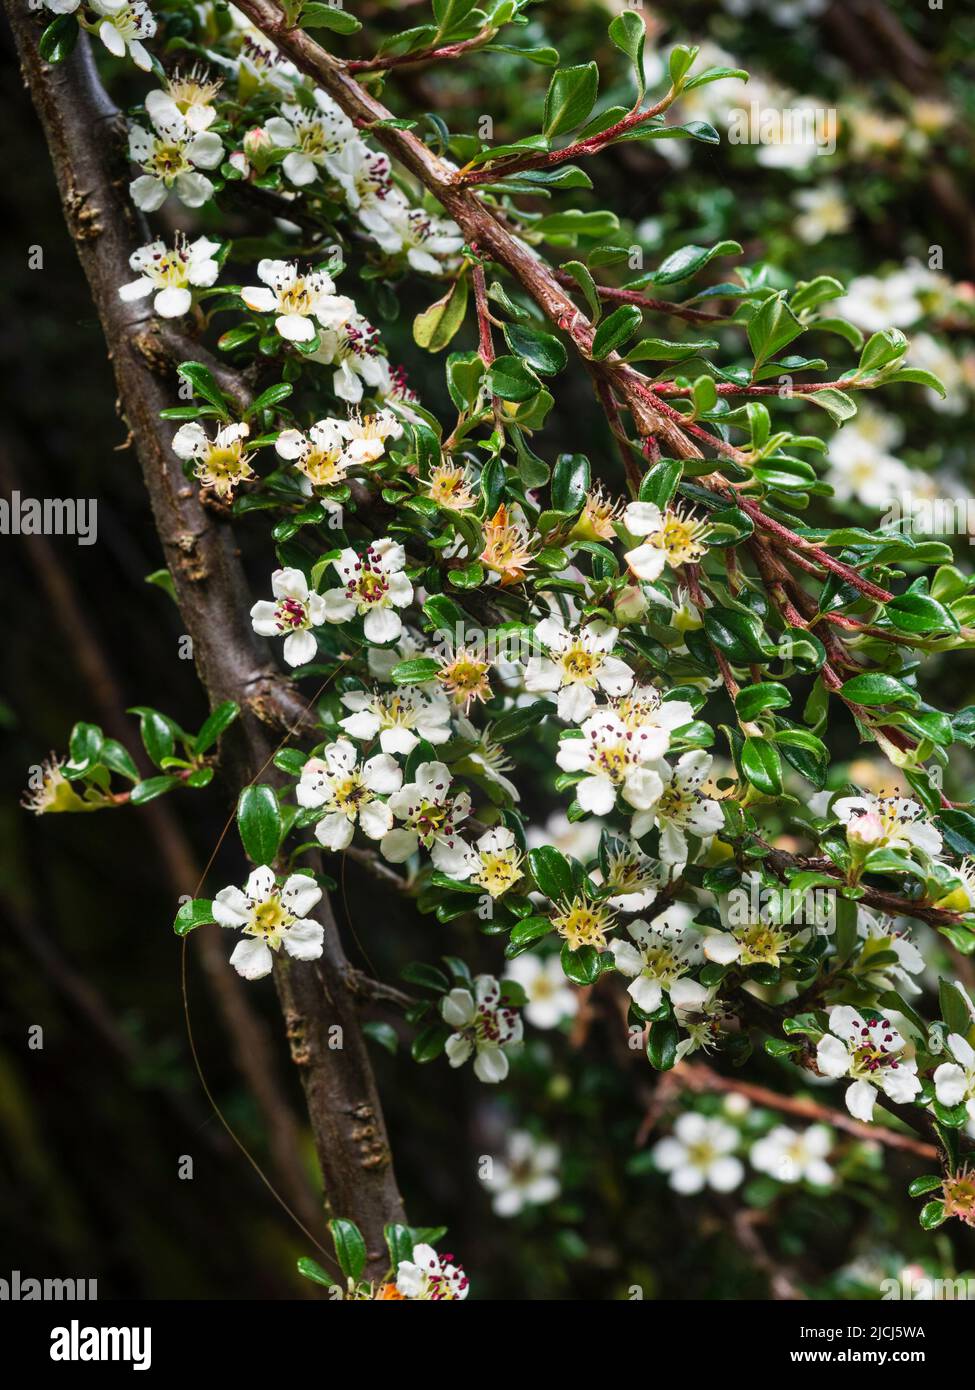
(428, 55)
(82, 131)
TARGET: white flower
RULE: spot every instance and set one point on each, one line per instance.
(353, 348)
(673, 538)
(294, 611)
(375, 586)
(484, 1026)
(311, 136)
(431, 243)
(194, 95)
(873, 302)
(525, 1177)
(124, 27)
(348, 793)
(170, 157)
(271, 917)
(791, 1155)
(859, 467)
(367, 435)
(170, 274)
(699, 1154)
(872, 1052)
(680, 807)
(634, 877)
(299, 301)
(321, 453)
(824, 212)
(663, 954)
(952, 368)
(430, 817)
(401, 717)
(551, 997)
(364, 175)
(954, 1082)
(577, 665)
(429, 1276)
(887, 822)
(615, 759)
(498, 859)
(221, 462)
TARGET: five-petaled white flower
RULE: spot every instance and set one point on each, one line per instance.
(171, 156)
(665, 951)
(526, 1176)
(578, 663)
(699, 1154)
(954, 1082)
(375, 586)
(401, 718)
(352, 347)
(221, 462)
(429, 1276)
(302, 303)
(430, 817)
(320, 453)
(293, 610)
(125, 23)
(791, 1155)
(431, 243)
(498, 858)
(348, 793)
(673, 538)
(271, 917)
(615, 759)
(551, 997)
(680, 807)
(887, 822)
(310, 135)
(172, 275)
(873, 1053)
(484, 1026)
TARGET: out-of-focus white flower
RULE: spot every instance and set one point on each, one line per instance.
(791, 1155)
(875, 302)
(551, 998)
(700, 1153)
(824, 211)
(525, 1177)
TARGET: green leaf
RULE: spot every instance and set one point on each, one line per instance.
(660, 485)
(201, 379)
(582, 967)
(311, 1269)
(954, 1010)
(259, 823)
(58, 39)
(429, 1043)
(150, 789)
(220, 719)
(874, 688)
(551, 871)
(771, 328)
(761, 764)
(542, 351)
(614, 330)
(570, 483)
(932, 1215)
(570, 97)
(279, 392)
(316, 16)
(931, 1182)
(662, 350)
(662, 1044)
(881, 349)
(918, 613)
(682, 264)
(739, 635)
(416, 671)
(837, 404)
(158, 733)
(679, 63)
(525, 933)
(350, 1248)
(435, 327)
(583, 278)
(197, 913)
(917, 376)
(629, 33)
(752, 700)
(512, 380)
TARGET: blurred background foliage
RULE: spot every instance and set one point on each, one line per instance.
(93, 1125)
